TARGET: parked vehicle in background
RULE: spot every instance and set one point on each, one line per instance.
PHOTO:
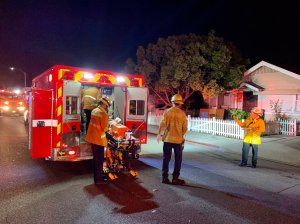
(11, 103)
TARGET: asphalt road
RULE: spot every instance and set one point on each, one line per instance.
(217, 190)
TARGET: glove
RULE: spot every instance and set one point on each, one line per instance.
(158, 138)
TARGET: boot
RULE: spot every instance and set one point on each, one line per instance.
(165, 180)
(177, 181)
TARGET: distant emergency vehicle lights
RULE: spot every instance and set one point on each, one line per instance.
(17, 91)
(21, 108)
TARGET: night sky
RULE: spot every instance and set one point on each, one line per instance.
(37, 34)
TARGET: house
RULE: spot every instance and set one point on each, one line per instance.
(263, 85)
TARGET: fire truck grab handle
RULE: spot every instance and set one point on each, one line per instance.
(71, 118)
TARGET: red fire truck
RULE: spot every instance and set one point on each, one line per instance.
(55, 113)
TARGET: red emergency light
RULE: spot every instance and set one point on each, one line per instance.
(134, 82)
(68, 75)
(105, 79)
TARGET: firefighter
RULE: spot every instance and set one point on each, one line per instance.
(96, 135)
(174, 124)
(89, 102)
(254, 126)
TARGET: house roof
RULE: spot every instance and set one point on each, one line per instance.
(278, 92)
(274, 67)
(252, 86)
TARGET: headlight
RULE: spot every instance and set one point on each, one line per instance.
(21, 108)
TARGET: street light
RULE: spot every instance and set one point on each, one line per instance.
(20, 70)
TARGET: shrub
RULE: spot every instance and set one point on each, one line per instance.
(240, 114)
(276, 111)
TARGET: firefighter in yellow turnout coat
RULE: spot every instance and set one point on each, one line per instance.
(174, 125)
(97, 137)
(254, 127)
(89, 102)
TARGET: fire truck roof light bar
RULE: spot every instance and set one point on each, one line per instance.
(68, 75)
(120, 79)
(88, 75)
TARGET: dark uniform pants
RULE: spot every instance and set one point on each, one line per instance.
(88, 118)
(167, 148)
(98, 152)
(245, 152)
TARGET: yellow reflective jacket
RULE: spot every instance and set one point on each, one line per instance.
(174, 124)
(253, 128)
(90, 98)
(98, 126)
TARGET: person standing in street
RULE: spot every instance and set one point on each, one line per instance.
(96, 135)
(254, 127)
(89, 102)
(174, 125)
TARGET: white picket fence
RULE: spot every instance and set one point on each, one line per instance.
(288, 127)
(226, 128)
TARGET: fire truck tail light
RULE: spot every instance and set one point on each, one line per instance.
(72, 152)
(50, 78)
(143, 139)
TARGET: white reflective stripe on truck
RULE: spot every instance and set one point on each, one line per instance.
(44, 123)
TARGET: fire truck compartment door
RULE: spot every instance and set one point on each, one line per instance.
(42, 123)
(136, 112)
